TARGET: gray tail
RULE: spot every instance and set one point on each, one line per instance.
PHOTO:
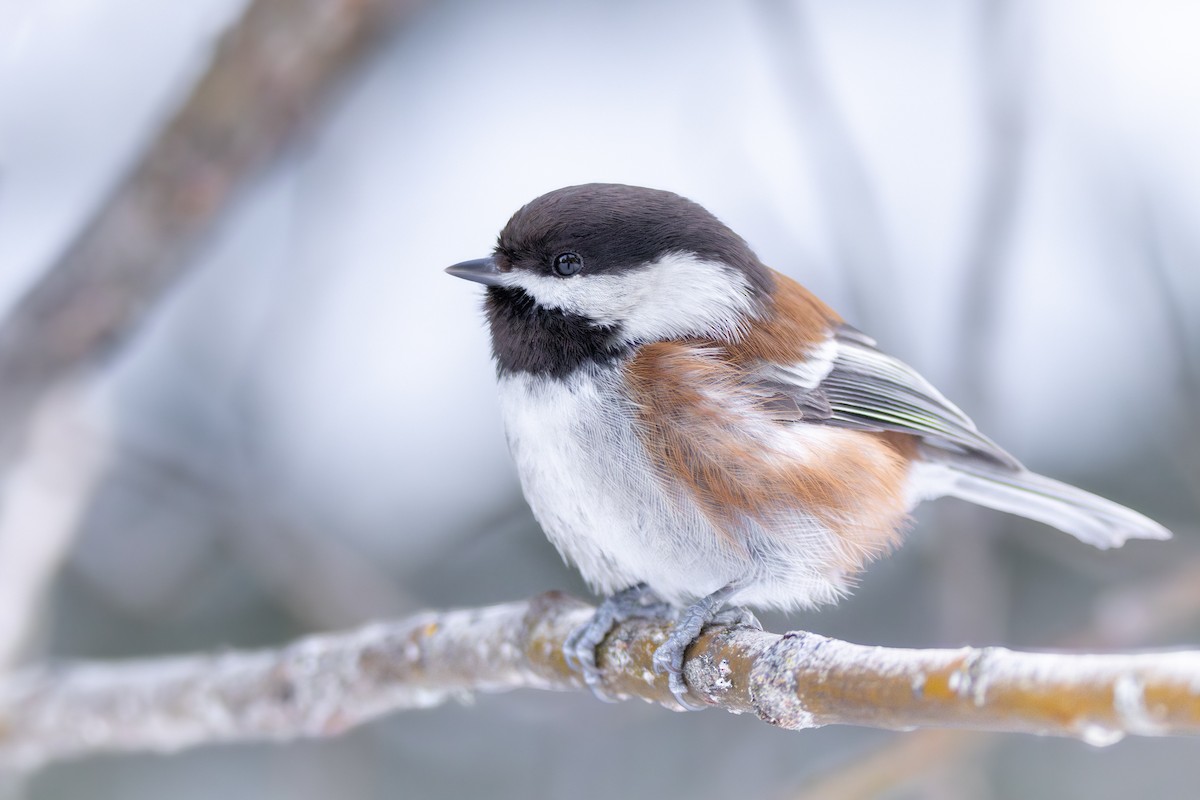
(1085, 516)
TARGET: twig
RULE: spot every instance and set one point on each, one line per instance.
(325, 685)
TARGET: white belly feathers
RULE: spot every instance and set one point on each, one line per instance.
(602, 503)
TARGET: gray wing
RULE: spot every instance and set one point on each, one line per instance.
(847, 382)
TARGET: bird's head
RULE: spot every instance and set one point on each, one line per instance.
(611, 267)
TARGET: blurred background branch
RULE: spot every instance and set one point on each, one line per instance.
(1162, 265)
(42, 501)
(272, 68)
(850, 205)
(1002, 68)
(973, 580)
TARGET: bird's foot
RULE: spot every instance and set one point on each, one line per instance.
(668, 657)
(579, 649)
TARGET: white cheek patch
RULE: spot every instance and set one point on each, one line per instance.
(677, 296)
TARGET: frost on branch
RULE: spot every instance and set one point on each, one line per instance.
(324, 685)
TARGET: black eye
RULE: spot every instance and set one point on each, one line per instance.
(566, 264)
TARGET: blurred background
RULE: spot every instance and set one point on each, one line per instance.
(301, 432)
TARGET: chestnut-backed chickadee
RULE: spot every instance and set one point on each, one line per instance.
(693, 427)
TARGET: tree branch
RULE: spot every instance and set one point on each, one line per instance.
(277, 63)
(273, 69)
(323, 685)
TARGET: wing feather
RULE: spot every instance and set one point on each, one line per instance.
(859, 387)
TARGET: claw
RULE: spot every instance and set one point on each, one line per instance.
(668, 657)
(680, 690)
(579, 648)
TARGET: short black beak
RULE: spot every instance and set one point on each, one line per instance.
(481, 270)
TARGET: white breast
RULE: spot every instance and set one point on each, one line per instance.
(592, 488)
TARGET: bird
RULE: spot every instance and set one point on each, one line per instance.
(700, 434)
